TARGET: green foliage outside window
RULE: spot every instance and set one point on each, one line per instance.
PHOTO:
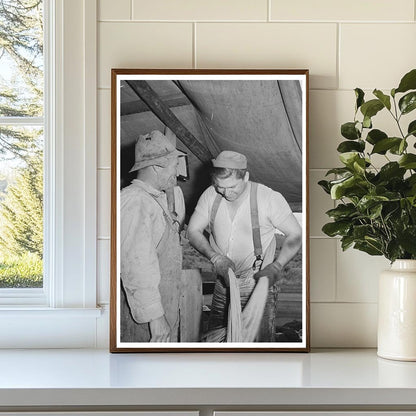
(21, 146)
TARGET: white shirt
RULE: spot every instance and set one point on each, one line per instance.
(233, 237)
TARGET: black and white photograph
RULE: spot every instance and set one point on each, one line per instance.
(209, 215)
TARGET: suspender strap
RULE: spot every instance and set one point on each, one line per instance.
(214, 210)
(170, 198)
(168, 217)
(255, 226)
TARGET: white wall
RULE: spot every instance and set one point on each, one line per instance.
(345, 44)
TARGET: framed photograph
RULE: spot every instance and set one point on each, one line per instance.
(209, 211)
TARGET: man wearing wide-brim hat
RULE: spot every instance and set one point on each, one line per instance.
(242, 218)
(150, 251)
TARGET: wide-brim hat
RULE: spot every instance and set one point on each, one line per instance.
(154, 149)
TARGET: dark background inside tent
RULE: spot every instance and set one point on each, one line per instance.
(259, 118)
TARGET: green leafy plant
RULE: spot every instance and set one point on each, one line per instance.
(376, 210)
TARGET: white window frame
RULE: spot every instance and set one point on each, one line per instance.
(64, 312)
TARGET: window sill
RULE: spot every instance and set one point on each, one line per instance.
(39, 327)
(36, 312)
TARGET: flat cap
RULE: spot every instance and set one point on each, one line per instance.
(230, 159)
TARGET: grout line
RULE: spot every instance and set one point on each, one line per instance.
(309, 22)
(323, 237)
(131, 9)
(338, 63)
(194, 63)
(104, 168)
(101, 238)
(344, 303)
(336, 271)
(269, 10)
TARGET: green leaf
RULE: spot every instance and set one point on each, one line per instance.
(359, 165)
(411, 130)
(402, 147)
(385, 99)
(338, 189)
(391, 170)
(369, 201)
(408, 82)
(408, 161)
(325, 186)
(346, 242)
(383, 145)
(367, 122)
(361, 231)
(398, 149)
(348, 158)
(371, 108)
(350, 131)
(338, 171)
(342, 211)
(375, 136)
(336, 228)
(349, 146)
(368, 248)
(393, 250)
(359, 94)
(375, 211)
(408, 102)
(407, 239)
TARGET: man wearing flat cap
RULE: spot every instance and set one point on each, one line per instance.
(242, 218)
(151, 255)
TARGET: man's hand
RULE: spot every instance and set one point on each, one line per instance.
(272, 271)
(159, 330)
(221, 266)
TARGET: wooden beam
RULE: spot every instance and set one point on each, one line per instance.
(163, 112)
(138, 106)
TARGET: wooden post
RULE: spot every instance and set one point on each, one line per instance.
(190, 306)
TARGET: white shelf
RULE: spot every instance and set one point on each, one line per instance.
(58, 378)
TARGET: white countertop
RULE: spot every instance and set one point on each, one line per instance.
(96, 377)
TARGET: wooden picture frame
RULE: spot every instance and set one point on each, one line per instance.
(262, 114)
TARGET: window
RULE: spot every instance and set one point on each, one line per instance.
(63, 312)
(22, 127)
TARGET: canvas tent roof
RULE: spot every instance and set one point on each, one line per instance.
(259, 118)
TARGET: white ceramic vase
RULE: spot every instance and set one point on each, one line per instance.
(397, 312)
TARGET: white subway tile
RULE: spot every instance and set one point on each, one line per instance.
(104, 129)
(270, 45)
(343, 325)
(357, 275)
(114, 10)
(103, 271)
(200, 10)
(342, 10)
(142, 45)
(323, 269)
(104, 202)
(319, 203)
(103, 328)
(327, 110)
(376, 55)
